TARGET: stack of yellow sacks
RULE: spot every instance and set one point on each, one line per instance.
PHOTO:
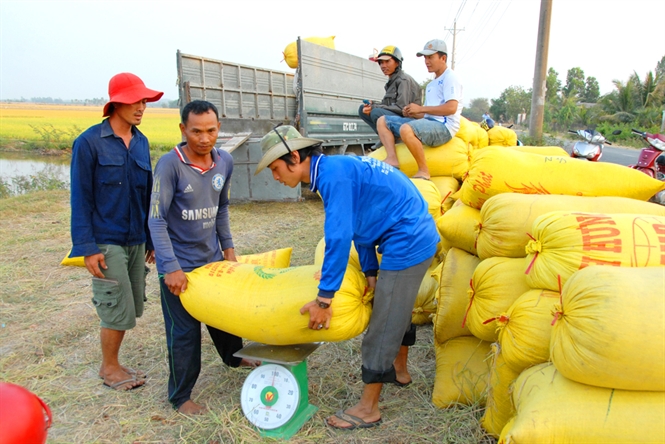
(521, 321)
(606, 378)
(486, 299)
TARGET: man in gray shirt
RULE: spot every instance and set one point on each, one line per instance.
(401, 89)
(189, 220)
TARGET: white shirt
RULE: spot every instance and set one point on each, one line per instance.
(439, 91)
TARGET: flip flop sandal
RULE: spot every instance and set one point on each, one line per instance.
(117, 385)
(356, 423)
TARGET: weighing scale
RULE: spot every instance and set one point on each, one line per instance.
(275, 395)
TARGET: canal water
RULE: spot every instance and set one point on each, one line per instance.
(24, 165)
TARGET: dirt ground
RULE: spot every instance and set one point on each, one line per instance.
(49, 343)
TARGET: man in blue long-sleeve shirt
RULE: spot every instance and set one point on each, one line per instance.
(111, 179)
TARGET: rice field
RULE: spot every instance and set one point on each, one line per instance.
(61, 124)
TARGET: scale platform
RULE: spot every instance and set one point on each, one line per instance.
(275, 395)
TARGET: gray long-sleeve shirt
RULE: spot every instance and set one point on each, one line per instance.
(401, 90)
(189, 211)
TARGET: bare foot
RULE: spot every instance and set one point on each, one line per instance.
(249, 363)
(392, 161)
(192, 408)
(356, 417)
(421, 175)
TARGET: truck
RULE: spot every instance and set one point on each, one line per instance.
(321, 99)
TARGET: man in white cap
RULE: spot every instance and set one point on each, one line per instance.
(111, 180)
(401, 89)
(433, 124)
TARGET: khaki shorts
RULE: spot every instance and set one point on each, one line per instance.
(120, 296)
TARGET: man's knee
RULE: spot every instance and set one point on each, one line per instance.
(406, 132)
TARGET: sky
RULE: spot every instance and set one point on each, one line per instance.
(70, 49)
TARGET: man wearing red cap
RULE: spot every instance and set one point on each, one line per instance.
(111, 181)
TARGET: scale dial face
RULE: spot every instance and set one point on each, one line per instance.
(270, 396)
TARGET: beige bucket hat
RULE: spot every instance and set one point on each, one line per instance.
(281, 140)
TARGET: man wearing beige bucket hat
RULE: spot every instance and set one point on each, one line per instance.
(371, 204)
(111, 180)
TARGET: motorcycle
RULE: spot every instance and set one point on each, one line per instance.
(651, 161)
(592, 147)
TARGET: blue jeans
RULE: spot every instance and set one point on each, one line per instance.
(183, 340)
(374, 116)
(430, 132)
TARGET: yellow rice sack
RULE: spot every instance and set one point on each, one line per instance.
(610, 331)
(77, 261)
(468, 133)
(291, 50)
(452, 298)
(431, 194)
(526, 328)
(449, 159)
(541, 150)
(566, 242)
(499, 407)
(497, 282)
(495, 170)
(459, 226)
(483, 139)
(354, 260)
(502, 136)
(425, 306)
(505, 219)
(280, 258)
(447, 186)
(462, 370)
(263, 304)
(553, 409)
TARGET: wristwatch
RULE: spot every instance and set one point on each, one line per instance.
(322, 304)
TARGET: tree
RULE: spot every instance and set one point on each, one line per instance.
(553, 85)
(574, 83)
(591, 90)
(660, 68)
(476, 110)
(514, 100)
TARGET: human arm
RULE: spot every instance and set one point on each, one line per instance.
(337, 194)
(418, 111)
(82, 171)
(163, 192)
(222, 222)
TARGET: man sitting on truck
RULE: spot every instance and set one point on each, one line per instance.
(433, 124)
(401, 89)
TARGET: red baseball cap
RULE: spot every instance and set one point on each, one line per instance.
(127, 88)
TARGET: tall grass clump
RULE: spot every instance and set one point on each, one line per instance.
(46, 180)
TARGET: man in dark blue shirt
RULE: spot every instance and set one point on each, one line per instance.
(111, 180)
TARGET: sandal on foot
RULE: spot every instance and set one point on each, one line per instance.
(401, 384)
(420, 177)
(117, 385)
(356, 423)
(138, 374)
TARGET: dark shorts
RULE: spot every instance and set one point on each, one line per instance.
(120, 296)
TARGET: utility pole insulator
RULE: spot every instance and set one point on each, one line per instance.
(455, 31)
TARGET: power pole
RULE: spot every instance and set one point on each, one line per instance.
(540, 72)
(455, 31)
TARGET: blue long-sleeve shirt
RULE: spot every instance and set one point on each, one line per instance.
(372, 204)
(110, 190)
(189, 211)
